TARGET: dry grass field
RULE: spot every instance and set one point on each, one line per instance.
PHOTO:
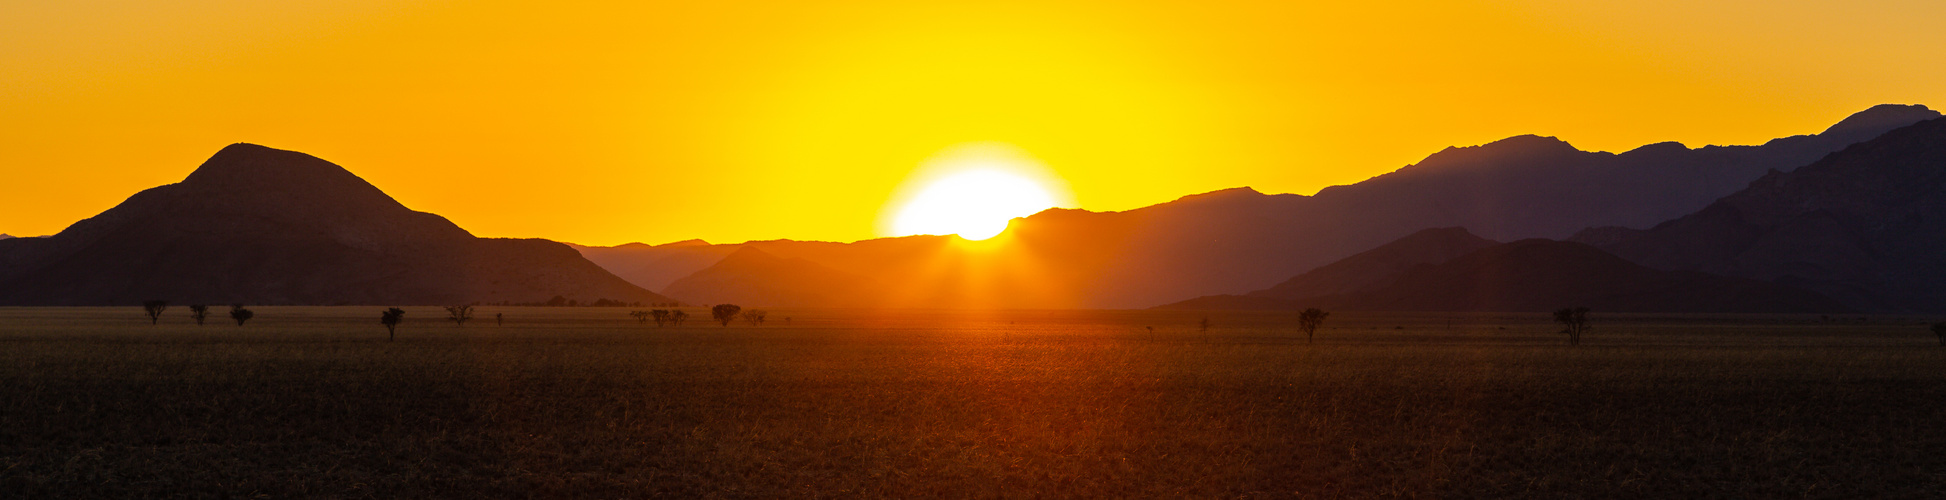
(587, 403)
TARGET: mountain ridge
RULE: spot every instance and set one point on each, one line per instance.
(1236, 240)
(1863, 225)
(264, 226)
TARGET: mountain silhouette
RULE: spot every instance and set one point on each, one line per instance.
(1380, 266)
(263, 226)
(1236, 240)
(656, 266)
(1866, 225)
(1543, 275)
(751, 276)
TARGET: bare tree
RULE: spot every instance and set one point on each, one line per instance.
(199, 313)
(154, 309)
(391, 318)
(725, 313)
(459, 314)
(1309, 321)
(499, 319)
(1575, 319)
(755, 316)
(238, 313)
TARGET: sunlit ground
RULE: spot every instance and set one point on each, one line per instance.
(584, 402)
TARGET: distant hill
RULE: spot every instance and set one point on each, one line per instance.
(257, 225)
(1380, 266)
(1542, 275)
(656, 266)
(1866, 225)
(5, 236)
(1235, 240)
(752, 277)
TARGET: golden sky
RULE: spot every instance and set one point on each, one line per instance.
(605, 123)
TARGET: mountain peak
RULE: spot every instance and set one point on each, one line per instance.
(1882, 117)
(250, 162)
(1224, 194)
(258, 179)
(693, 242)
(1519, 148)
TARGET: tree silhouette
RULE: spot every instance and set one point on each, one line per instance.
(1940, 330)
(1576, 321)
(641, 316)
(238, 313)
(154, 309)
(725, 312)
(499, 319)
(459, 314)
(755, 316)
(1203, 326)
(678, 316)
(391, 318)
(660, 316)
(199, 313)
(1309, 321)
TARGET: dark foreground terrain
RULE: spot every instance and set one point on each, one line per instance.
(587, 403)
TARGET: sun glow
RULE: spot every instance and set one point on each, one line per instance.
(972, 190)
(975, 204)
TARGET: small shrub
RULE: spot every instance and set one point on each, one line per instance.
(1576, 321)
(238, 313)
(154, 309)
(724, 313)
(459, 314)
(391, 318)
(199, 313)
(1309, 321)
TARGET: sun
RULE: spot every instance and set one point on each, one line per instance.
(974, 204)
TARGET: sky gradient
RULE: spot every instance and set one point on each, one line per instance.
(606, 123)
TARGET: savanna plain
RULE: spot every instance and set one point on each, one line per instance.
(589, 403)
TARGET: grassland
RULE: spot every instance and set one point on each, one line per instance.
(587, 403)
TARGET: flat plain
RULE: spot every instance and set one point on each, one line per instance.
(588, 403)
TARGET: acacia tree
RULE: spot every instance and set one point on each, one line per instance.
(238, 313)
(725, 313)
(391, 318)
(660, 316)
(755, 316)
(676, 317)
(1309, 321)
(199, 313)
(1575, 319)
(459, 314)
(1940, 330)
(643, 317)
(154, 309)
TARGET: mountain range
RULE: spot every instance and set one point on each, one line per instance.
(258, 225)
(1866, 226)
(1662, 227)
(1449, 269)
(1236, 240)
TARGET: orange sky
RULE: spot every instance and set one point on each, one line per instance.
(604, 123)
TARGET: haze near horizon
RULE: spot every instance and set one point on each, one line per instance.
(610, 123)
